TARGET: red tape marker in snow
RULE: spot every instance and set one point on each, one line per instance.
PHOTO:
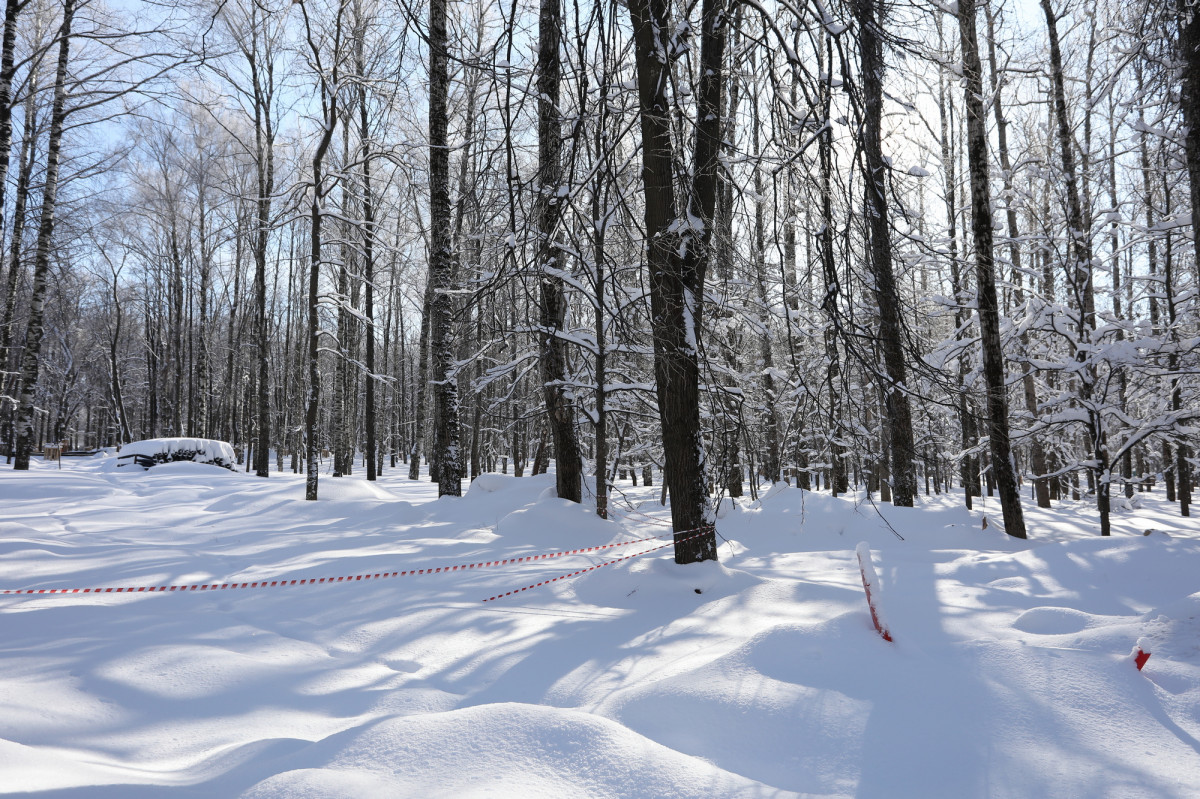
(702, 530)
(323, 580)
(869, 578)
(1139, 654)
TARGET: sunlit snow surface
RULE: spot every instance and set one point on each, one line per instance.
(1010, 673)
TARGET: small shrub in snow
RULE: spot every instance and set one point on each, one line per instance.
(154, 451)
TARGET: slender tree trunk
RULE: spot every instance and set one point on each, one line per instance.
(1037, 452)
(839, 482)
(118, 400)
(176, 326)
(313, 404)
(770, 413)
(1081, 256)
(600, 213)
(422, 380)
(1003, 466)
(368, 201)
(1189, 100)
(30, 358)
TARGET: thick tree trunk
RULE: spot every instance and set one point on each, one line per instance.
(891, 340)
(7, 356)
(678, 255)
(1003, 468)
(30, 358)
(441, 266)
(552, 349)
(265, 159)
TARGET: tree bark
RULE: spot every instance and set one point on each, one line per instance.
(1189, 100)
(20, 201)
(368, 202)
(329, 116)
(551, 261)
(264, 136)
(31, 357)
(1080, 249)
(838, 480)
(678, 256)
(441, 261)
(1003, 467)
(1037, 453)
(903, 454)
(422, 380)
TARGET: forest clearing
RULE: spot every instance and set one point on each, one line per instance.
(759, 675)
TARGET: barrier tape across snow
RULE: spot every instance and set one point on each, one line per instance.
(703, 531)
(355, 577)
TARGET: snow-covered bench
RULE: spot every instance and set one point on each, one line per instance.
(154, 451)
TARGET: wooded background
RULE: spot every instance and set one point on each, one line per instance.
(899, 246)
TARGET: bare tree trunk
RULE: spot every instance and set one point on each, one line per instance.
(600, 213)
(770, 414)
(1081, 276)
(839, 482)
(7, 356)
(328, 96)
(421, 381)
(1189, 100)
(1003, 467)
(903, 455)
(678, 255)
(552, 349)
(264, 136)
(1029, 389)
(30, 358)
(441, 261)
(12, 10)
(368, 201)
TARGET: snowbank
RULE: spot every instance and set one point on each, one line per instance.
(169, 450)
(758, 676)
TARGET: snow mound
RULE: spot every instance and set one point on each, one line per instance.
(1052, 621)
(506, 749)
(556, 523)
(345, 489)
(491, 482)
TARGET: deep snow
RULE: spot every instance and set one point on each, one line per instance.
(1010, 674)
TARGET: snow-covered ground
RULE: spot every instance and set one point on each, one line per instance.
(760, 676)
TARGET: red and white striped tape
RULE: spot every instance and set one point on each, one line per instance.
(702, 531)
(324, 580)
